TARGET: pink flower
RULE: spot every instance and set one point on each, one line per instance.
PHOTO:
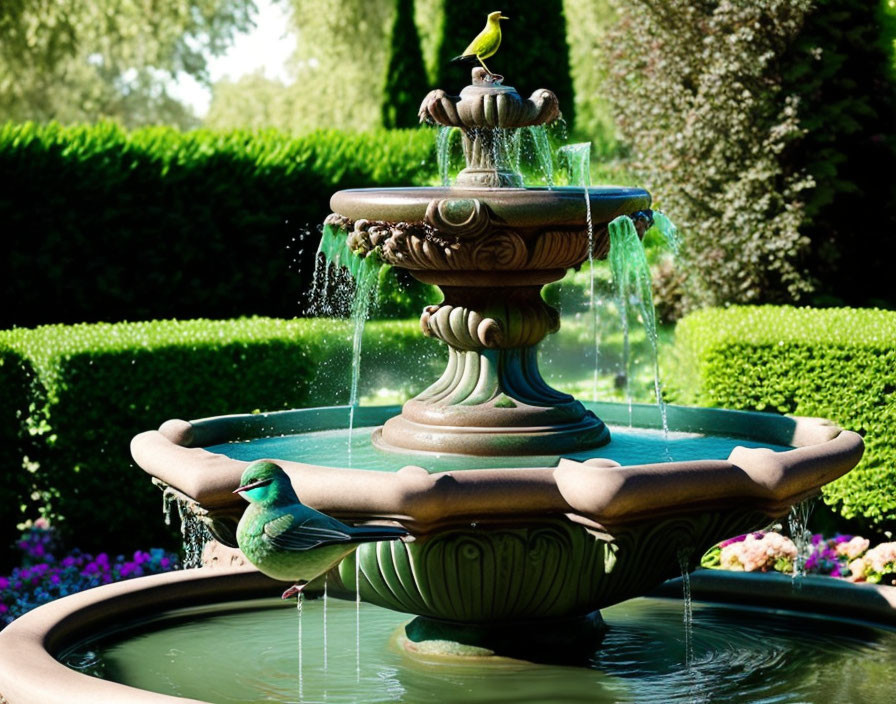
(854, 548)
(758, 552)
(882, 558)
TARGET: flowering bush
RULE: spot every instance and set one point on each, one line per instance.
(845, 556)
(753, 552)
(42, 577)
(878, 565)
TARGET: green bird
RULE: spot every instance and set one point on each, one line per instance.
(486, 42)
(290, 541)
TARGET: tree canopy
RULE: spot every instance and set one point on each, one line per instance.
(71, 60)
(745, 119)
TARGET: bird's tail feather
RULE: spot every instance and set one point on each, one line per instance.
(464, 59)
(369, 534)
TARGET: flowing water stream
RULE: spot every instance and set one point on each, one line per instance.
(634, 286)
(798, 523)
(578, 159)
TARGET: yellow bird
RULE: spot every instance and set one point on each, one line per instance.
(486, 42)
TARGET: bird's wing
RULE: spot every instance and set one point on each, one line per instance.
(478, 44)
(287, 532)
(485, 44)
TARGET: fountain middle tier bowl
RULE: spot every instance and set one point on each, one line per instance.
(503, 539)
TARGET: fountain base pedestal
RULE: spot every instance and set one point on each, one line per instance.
(492, 402)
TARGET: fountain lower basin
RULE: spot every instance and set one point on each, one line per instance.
(496, 545)
(739, 653)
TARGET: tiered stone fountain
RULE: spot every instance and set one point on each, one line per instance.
(527, 527)
(496, 546)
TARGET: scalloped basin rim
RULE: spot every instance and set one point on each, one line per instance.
(30, 674)
(597, 494)
(517, 207)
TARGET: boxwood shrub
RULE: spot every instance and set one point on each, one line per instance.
(834, 363)
(101, 224)
(15, 445)
(95, 386)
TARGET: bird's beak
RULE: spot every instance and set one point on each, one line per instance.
(246, 487)
(502, 17)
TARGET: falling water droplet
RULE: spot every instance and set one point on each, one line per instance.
(542, 149)
(633, 283)
(443, 153)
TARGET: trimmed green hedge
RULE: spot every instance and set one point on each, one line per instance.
(95, 386)
(834, 363)
(15, 446)
(101, 224)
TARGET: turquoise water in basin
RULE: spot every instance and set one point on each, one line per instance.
(243, 655)
(629, 446)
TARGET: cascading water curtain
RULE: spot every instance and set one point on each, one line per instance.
(578, 161)
(335, 252)
(634, 286)
(542, 148)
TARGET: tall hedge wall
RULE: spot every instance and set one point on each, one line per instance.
(93, 387)
(101, 224)
(834, 363)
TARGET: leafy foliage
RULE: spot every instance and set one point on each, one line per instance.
(15, 443)
(70, 60)
(750, 119)
(104, 224)
(587, 22)
(334, 76)
(833, 363)
(839, 71)
(96, 386)
(704, 108)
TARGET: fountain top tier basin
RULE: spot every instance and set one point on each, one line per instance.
(490, 246)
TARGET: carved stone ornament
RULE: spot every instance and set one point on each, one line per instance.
(486, 112)
(487, 104)
(459, 235)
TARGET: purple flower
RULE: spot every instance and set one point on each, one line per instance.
(732, 541)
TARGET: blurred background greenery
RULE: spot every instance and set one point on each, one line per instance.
(755, 125)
